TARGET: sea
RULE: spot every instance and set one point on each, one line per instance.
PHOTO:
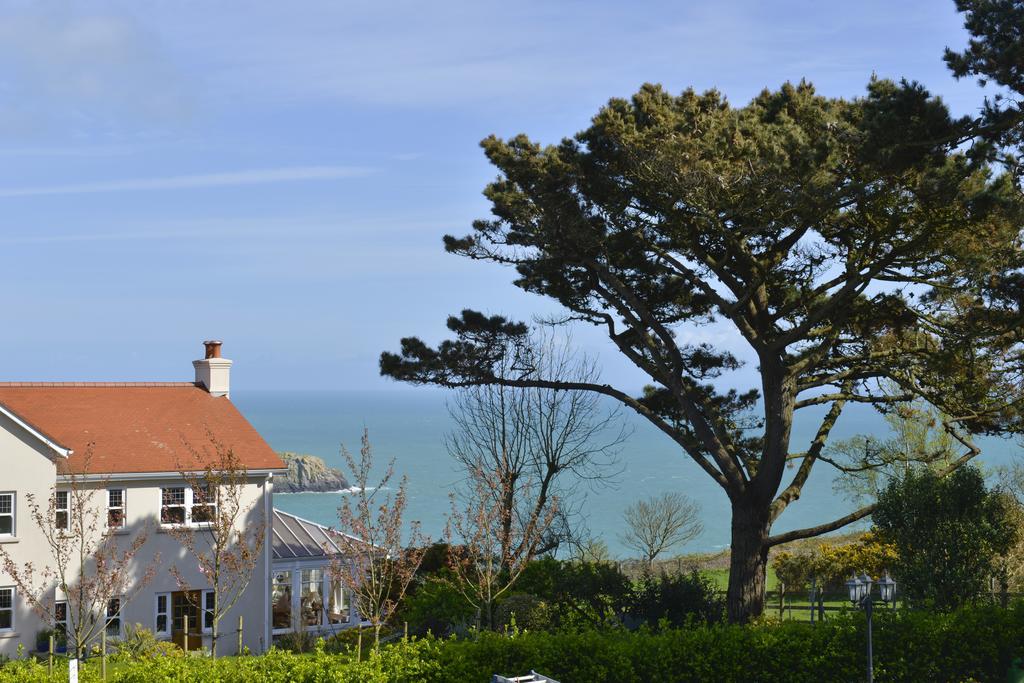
(410, 425)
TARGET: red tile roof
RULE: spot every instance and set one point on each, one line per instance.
(136, 427)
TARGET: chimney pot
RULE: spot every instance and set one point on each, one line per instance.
(213, 373)
(212, 348)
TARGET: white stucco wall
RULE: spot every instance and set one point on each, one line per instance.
(27, 467)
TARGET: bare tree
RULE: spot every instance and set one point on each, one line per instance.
(659, 523)
(489, 545)
(377, 568)
(537, 444)
(223, 533)
(91, 572)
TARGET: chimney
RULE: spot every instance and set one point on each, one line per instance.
(213, 373)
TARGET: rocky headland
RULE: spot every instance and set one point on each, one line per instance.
(308, 473)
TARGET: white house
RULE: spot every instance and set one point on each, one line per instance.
(138, 437)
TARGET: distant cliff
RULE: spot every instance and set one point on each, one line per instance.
(309, 473)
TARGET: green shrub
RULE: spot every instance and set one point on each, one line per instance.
(975, 643)
(676, 600)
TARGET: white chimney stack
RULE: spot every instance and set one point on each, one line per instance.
(213, 372)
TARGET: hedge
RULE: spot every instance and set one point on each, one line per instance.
(973, 644)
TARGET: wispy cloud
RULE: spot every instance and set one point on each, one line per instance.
(182, 182)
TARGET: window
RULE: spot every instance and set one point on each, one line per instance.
(204, 505)
(60, 508)
(114, 618)
(208, 608)
(312, 597)
(181, 505)
(281, 599)
(6, 609)
(338, 610)
(6, 514)
(172, 506)
(60, 618)
(115, 509)
(162, 626)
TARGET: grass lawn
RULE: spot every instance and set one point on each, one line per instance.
(720, 577)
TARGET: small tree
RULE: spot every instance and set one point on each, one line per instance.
(948, 533)
(86, 564)
(377, 568)
(659, 523)
(537, 444)
(223, 539)
(490, 545)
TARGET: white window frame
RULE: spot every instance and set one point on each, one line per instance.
(66, 509)
(297, 570)
(13, 514)
(123, 507)
(11, 609)
(346, 599)
(206, 610)
(188, 505)
(107, 618)
(166, 613)
(293, 609)
(210, 502)
(60, 624)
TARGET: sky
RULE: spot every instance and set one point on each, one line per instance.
(278, 175)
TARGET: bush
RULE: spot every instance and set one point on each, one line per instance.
(974, 643)
(948, 532)
(676, 600)
(436, 607)
(578, 594)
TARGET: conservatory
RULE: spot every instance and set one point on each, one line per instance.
(304, 596)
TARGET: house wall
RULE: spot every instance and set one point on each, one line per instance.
(29, 468)
(26, 468)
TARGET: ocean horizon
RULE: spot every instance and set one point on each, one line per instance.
(409, 426)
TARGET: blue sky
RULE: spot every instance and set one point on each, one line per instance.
(279, 175)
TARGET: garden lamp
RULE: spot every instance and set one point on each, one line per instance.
(887, 587)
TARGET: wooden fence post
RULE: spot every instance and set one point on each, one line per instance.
(406, 631)
(49, 660)
(103, 654)
(185, 641)
(359, 645)
(239, 635)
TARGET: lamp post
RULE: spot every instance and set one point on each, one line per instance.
(860, 596)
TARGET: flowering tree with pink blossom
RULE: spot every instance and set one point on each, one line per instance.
(92, 562)
(225, 534)
(377, 567)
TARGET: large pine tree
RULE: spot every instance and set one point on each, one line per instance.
(858, 255)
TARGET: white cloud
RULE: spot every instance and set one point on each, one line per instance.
(204, 180)
(77, 67)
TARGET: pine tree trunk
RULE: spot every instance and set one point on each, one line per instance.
(747, 565)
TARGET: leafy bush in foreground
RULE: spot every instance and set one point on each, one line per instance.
(976, 643)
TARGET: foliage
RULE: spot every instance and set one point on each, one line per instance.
(975, 643)
(948, 531)
(139, 642)
(496, 543)
(377, 568)
(522, 611)
(995, 53)
(657, 524)
(676, 600)
(831, 565)
(438, 607)
(867, 464)
(579, 594)
(857, 251)
(226, 535)
(86, 563)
